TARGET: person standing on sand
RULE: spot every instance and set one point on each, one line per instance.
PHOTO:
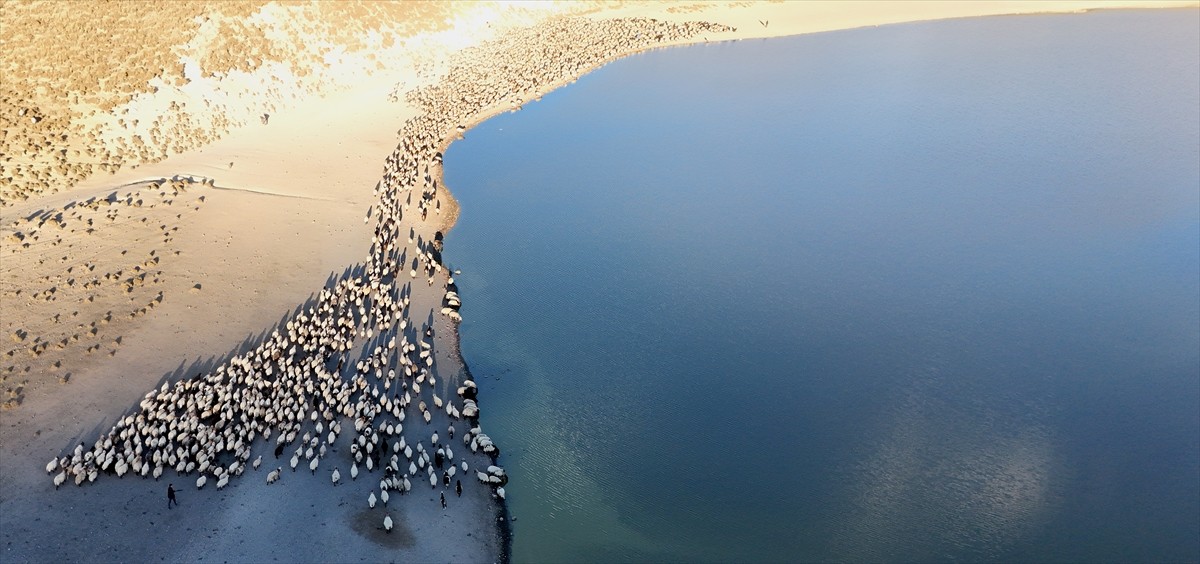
(171, 495)
(443, 500)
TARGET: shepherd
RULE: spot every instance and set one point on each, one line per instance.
(171, 495)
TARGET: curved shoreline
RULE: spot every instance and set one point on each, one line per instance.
(502, 515)
(492, 111)
(485, 173)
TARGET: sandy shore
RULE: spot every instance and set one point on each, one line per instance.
(158, 227)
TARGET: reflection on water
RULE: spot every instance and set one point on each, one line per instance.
(919, 292)
(977, 489)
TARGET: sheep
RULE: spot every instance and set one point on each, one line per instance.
(52, 466)
(200, 481)
(371, 500)
(273, 476)
(336, 476)
(383, 496)
(353, 471)
(258, 462)
(387, 522)
(60, 478)
(283, 385)
(223, 481)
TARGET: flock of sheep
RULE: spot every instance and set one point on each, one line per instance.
(352, 369)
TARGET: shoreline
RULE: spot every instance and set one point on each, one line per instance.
(503, 349)
(241, 295)
(484, 115)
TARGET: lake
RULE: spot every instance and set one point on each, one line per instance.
(916, 292)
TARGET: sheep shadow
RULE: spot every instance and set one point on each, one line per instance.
(198, 367)
(368, 523)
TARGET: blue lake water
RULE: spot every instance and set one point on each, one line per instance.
(916, 292)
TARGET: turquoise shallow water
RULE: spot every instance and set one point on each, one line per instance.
(917, 292)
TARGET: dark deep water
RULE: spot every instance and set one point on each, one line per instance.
(916, 292)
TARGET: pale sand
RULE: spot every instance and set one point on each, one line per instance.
(278, 224)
